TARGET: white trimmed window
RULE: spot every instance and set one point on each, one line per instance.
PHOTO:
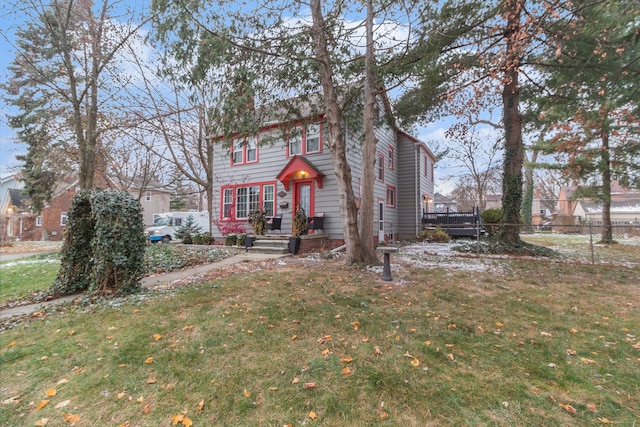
(63, 219)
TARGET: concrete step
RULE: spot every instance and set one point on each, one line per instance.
(271, 242)
(268, 250)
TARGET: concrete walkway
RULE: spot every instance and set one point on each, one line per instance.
(149, 281)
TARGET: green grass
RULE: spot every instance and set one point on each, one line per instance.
(27, 276)
(577, 248)
(444, 348)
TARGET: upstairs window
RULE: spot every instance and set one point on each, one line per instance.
(244, 151)
(307, 140)
(313, 138)
(390, 158)
(39, 221)
(63, 219)
(147, 196)
(381, 167)
(295, 144)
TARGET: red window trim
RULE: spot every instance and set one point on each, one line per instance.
(233, 188)
(391, 160)
(395, 196)
(381, 165)
(303, 147)
(244, 152)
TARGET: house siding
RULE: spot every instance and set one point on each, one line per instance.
(402, 220)
(408, 195)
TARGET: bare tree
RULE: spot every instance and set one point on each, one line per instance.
(62, 73)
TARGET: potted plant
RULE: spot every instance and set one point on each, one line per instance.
(258, 221)
(300, 225)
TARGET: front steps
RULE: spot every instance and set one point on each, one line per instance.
(270, 244)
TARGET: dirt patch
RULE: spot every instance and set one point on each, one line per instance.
(30, 247)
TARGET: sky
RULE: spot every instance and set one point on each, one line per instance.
(9, 148)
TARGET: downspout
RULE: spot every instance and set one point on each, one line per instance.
(416, 177)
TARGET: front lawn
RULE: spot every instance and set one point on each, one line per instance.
(308, 341)
(25, 278)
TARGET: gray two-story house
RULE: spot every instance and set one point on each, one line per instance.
(295, 168)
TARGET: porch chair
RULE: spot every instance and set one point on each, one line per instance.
(275, 223)
(317, 223)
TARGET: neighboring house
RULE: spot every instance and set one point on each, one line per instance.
(625, 206)
(51, 223)
(623, 212)
(154, 196)
(493, 201)
(298, 170)
(441, 204)
(14, 212)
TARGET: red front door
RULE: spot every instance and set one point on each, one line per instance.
(303, 197)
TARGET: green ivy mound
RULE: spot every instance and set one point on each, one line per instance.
(103, 250)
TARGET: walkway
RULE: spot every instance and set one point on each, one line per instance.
(147, 282)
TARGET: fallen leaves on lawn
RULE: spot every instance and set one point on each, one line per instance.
(42, 404)
(157, 337)
(71, 418)
(11, 344)
(149, 360)
(42, 422)
(570, 409)
(312, 415)
(51, 392)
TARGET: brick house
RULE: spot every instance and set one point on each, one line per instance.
(52, 221)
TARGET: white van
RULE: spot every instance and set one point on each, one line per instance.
(165, 225)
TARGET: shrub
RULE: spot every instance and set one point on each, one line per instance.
(203, 239)
(491, 216)
(437, 235)
(490, 220)
(104, 244)
(187, 230)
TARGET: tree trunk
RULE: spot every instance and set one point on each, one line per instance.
(513, 150)
(607, 230)
(369, 148)
(337, 143)
(527, 201)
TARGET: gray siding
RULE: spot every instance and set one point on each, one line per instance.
(409, 192)
(403, 220)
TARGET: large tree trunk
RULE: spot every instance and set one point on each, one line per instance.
(337, 143)
(513, 150)
(369, 148)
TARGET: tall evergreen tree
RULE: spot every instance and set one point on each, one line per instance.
(593, 98)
